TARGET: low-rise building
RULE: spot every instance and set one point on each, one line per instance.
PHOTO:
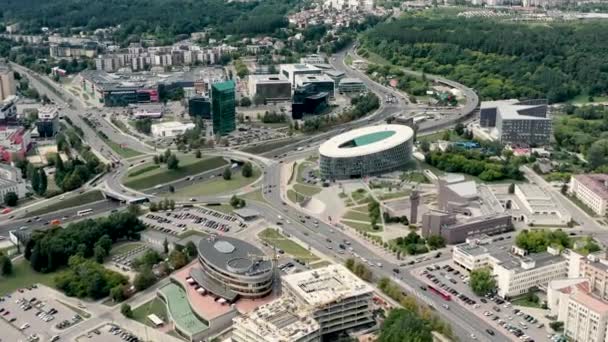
(11, 181)
(290, 71)
(320, 83)
(351, 85)
(516, 271)
(7, 83)
(147, 111)
(170, 129)
(592, 190)
(269, 88)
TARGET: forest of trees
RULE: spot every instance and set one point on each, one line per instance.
(499, 59)
(164, 19)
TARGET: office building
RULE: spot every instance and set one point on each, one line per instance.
(223, 107)
(537, 206)
(515, 271)
(312, 59)
(521, 123)
(585, 315)
(337, 299)
(307, 101)
(11, 181)
(592, 190)
(278, 321)
(170, 129)
(8, 110)
(595, 268)
(48, 121)
(351, 85)
(269, 88)
(366, 151)
(463, 210)
(147, 111)
(7, 83)
(320, 83)
(199, 107)
(290, 71)
(232, 268)
(68, 50)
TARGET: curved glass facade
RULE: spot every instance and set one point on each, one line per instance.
(389, 160)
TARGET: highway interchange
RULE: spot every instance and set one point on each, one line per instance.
(463, 322)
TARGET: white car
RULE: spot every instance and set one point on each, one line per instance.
(473, 337)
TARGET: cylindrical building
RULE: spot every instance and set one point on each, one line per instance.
(233, 268)
(366, 151)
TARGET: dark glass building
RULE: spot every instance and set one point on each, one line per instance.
(307, 100)
(223, 104)
(199, 106)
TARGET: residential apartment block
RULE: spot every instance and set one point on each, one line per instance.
(592, 190)
(7, 83)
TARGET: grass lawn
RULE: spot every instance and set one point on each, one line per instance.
(358, 194)
(292, 196)
(217, 185)
(275, 238)
(255, 196)
(23, 276)
(523, 301)
(124, 248)
(273, 145)
(307, 189)
(189, 233)
(342, 195)
(581, 205)
(154, 306)
(392, 195)
(364, 227)
(584, 99)
(87, 197)
(188, 165)
(439, 136)
(301, 168)
(319, 264)
(357, 216)
(121, 126)
(415, 177)
(124, 152)
(223, 208)
(348, 202)
(348, 60)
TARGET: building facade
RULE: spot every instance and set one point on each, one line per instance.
(523, 123)
(366, 151)
(48, 121)
(7, 83)
(456, 229)
(592, 190)
(200, 107)
(170, 129)
(269, 88)
(223, 107)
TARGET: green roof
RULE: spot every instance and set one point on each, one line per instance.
(180, 310)
(222, 86)
(372, 138)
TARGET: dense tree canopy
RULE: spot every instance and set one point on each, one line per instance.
(50, 249)
(500, 59)
(482, 281)
(538, 240)
(404, 325)
(164, 19)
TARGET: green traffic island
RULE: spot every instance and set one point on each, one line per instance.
(229, 181)
(273, 237)
(171, 168)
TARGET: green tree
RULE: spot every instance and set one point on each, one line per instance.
(198, 154)
(177, 259)
(435, 241)
(99, 253)
(126, 311)
(165, 246)
(43, 182)
(482, 281)
(10, 199)
(6, 266)
(459, 129)
(227, 174)
(404, 325)
(144, 279)
(117, 293)
(172, 162)
(247, 170)
(598, 154)
(191, 249)
(245, 101)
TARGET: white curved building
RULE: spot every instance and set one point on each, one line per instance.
(366, 151)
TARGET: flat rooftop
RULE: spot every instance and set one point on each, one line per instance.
(513, 262)
(269, 79)
(280, 320)
(595, 182)
(230, 254)
(512, 109)
(325, 285)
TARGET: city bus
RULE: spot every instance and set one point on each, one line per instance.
(440, 292)
(84, 212)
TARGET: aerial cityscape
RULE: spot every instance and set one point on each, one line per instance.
(303, 170)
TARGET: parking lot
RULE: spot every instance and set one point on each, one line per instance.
(124, 261)
(108, 333)
(180, 220)
(35, 315)
(446, 279)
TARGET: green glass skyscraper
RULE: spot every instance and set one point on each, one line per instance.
(223, 107)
